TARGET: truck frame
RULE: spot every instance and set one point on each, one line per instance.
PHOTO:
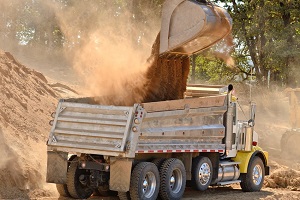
(152, 149)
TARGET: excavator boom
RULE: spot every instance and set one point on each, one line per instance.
(189, 26)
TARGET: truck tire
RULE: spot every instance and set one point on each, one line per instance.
(253, 180)
(144, 182)
(201, 173)
(63, 190)
(172, 179)
(76, 189)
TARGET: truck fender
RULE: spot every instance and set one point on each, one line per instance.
(245, 157)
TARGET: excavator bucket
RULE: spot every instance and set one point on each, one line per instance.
(189, 26)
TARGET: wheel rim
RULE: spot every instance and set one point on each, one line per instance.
(204, 173)
(149, 185)
(257, 175)
(176, 181)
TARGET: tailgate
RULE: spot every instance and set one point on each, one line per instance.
(92, 129)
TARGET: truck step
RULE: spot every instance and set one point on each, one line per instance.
(229, 163)
(228, 182)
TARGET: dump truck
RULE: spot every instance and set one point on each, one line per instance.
(152, 150)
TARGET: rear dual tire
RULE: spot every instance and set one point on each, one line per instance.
(147, 182)
(172, 179)
(144, 183)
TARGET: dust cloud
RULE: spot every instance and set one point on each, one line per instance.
(273, 123)
(117, 55)
(113, 69)
(111, 55)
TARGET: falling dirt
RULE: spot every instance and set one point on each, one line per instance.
(166, 77)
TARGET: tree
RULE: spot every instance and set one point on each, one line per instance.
(267, 34)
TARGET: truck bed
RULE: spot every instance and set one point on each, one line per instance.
(186, 125)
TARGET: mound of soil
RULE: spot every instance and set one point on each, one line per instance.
(26, 104)
(283, 177)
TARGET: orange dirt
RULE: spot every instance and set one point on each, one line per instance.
(167, 77)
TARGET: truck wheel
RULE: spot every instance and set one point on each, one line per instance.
(144, 182)
(201, 173)
(63, 190)
(172, 179)
(75, 182)
(253, 180)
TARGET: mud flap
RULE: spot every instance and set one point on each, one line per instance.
(57, 165)
(267, 170)
(120, 172)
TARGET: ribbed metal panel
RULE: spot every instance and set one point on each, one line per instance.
(200, 128)
(94, 128)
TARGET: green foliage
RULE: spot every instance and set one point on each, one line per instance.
(266, 35)
(212, 70)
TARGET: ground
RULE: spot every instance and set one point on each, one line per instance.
(28, 98)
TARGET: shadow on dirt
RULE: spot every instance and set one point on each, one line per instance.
(226, 192)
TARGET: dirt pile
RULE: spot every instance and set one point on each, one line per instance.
(26, 104)
(283, 177)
